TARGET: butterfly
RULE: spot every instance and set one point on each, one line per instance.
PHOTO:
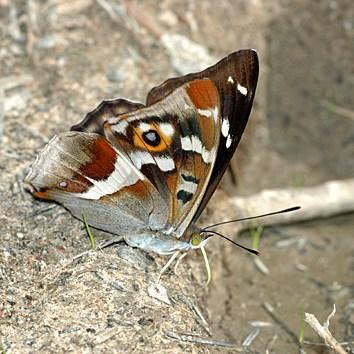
(147, 171)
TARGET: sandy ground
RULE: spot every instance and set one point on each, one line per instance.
(58, 60)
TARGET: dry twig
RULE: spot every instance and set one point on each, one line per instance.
(196, 312)
(199, 340)
(251, 337)
(341, 111)
(323, 331)
(270, 310)
(322, 201)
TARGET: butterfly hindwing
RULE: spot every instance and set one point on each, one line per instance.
(94, 120)
(86, 174)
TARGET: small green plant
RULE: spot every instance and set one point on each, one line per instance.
(302, 325)
(256, 235)
(299, 181)
(91, 237)
(2, 349)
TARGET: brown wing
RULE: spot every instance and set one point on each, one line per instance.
(147, 169)
(86, 174)
(173, 143)
(135, 170)
(235, 78)
(157, 139)
(94, 120)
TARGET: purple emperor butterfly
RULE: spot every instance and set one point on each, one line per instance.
(146, 172)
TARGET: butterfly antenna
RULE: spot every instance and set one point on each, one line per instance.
(232, 241)
(253, 217)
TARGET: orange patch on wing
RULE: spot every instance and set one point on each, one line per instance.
(77, 184)
(203, 94)
(138, 189)
(42, 194)
(103, 158)
(165, 140)
(208, 131)
(171, 181)
(200, 168)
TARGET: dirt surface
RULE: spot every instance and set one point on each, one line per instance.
(58, 60)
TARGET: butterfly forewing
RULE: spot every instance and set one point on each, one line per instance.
(173, 143)
(235, 78)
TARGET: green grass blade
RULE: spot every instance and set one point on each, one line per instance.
(256, 235)
(302, 325)
(91, 237)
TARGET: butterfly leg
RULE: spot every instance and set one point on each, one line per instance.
(179, 261)
(165, 267)
(207, 266)
(110, 242)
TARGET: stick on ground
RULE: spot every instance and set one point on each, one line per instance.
(323, 331)
(321, 201)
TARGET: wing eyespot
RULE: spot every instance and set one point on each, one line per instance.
(63, 184)
(156, 138)
(152, 138)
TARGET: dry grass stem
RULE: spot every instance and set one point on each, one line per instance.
(199, 340)
(324, 332)
(341, 111)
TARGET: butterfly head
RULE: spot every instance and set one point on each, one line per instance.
(198, 240)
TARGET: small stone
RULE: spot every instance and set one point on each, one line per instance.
(114, 74)
(50, 41)
(186, 56)
(301, 267)
(169, 18)
(158, 292)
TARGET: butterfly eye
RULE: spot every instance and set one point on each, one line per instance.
(196, 240)
(152, 138)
